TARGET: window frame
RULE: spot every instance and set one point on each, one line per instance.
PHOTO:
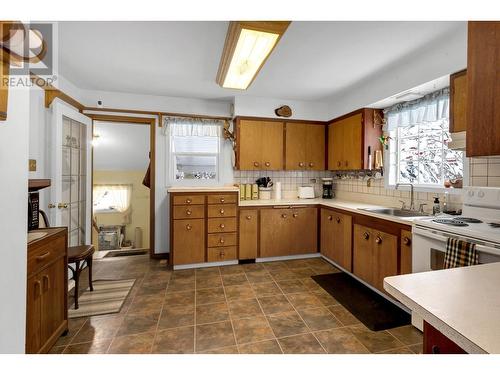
(110, 210)
(193, 182)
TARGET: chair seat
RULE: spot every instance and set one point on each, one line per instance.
(78, 253)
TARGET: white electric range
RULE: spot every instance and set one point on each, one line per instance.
(479, 223)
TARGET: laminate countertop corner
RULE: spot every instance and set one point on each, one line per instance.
(462, 303)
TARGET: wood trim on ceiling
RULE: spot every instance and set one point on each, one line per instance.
(279, 119)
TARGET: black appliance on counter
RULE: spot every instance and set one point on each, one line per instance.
(328, 188)
(33, 210)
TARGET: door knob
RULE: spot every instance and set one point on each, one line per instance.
(52, 205)
(284, 216)
(188, 212)
(255, 163)
(406, 240)
(378, 240)
(222, 226)
(188, 201)
(221, 240)
(222, 200)
(295, 215)
(221, 211)
(267, 164)
(249, 217)
(330, 217)
(301, 164)
(62, 205)
(311, 165)
(189, 227)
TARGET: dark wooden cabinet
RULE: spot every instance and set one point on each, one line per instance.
(458, 102)
(47, 286)
(288, 231)
(375, 255)
(483, 89)
(437, 343)
(335, 238)
(248, 234)
(350, 136)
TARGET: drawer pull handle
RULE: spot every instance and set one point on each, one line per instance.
(330, 217)
(295, 215)
(267, 164)
(249, 217)
(406, 241)
(435, 349)
(366, 235)
(338, 164)
(221, 211)
(284, 216)
(189, 227)
(337, 220)
(378, 240)
(37, 288)
(46, 283)
(255, 163)
(222, 254)
(39, 258)
(221, 240)
(188, 212)
(188, 201)
(222, 200)
(222, 226)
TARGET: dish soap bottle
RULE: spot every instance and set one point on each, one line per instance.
(436, 208)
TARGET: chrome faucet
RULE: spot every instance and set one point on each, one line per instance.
(412, 200)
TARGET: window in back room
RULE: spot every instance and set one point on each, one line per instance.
(418, 149)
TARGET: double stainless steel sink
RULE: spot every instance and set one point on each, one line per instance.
(395, 212)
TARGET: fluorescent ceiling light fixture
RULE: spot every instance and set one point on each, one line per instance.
(247, 46)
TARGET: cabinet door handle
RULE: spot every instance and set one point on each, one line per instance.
(338, 164)
(301, 164)
(366, 235)
(222, 254)
(330, 217)
(188, 201)
(188, 212)
(222, 226)
(284, 216)
(346, 163)
(295, 215)
(249, 217)
(267, 164)
(311, 165)
(221, 211)
(406, 240)
(189, 227)
(37, 288)
(46, 283)
(255, 163)
(222, 200)
(337, 220)
(435, 349)
(39, 258)
(222, 240)
(378, 240)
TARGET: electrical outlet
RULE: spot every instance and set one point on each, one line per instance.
(32, 165)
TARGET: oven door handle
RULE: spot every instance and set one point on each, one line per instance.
(444, 239)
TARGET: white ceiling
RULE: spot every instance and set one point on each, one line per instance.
(121, 146)
(313, 60)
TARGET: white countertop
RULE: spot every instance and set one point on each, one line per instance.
(333, 203)
(202, 189)
(462, 303)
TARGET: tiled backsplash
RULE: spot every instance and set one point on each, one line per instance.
(485, 171)
(290, 180)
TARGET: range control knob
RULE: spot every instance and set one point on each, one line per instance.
(471, 193)
(480, 193)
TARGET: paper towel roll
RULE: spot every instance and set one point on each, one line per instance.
(277, 190)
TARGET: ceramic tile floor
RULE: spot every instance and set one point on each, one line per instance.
(270, 307)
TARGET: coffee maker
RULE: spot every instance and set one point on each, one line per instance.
(328, 188)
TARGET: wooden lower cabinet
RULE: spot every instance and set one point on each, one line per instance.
(375, 255)
(288, 231)
(47, 285)
(248, 234)
(335, 239)
(406, 252)
(189, 241)
(221, 254)
(437, 343)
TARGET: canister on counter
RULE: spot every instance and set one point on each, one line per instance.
(242, 192)
(248, 192)
(255, 192)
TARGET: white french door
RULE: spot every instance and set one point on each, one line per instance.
(71, 135)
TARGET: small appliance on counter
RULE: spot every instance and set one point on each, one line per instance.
(33, 210)
(305, 192)
(328, 188)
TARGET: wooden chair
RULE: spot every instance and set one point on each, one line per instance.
(80, 255)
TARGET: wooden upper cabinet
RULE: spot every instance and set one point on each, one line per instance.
(483, 89)
(4, 89)
(305, 146)
(458, 101)
(350, 136)
(260, 145)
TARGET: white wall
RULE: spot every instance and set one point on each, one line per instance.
(445, 56)
(264, 107)
(13, 221)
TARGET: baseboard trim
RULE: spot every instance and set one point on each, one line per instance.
(288, 257)
(205, 265)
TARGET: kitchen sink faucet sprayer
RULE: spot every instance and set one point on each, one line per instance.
(412, 200)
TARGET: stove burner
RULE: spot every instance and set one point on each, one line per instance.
(494, 225)
(452, 222)
(468, 220)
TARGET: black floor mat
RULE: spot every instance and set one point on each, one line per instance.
(125, 253)
(373, 310)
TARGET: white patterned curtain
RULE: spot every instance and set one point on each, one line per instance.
(430, 108)
(188, 127)
(113, 196)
